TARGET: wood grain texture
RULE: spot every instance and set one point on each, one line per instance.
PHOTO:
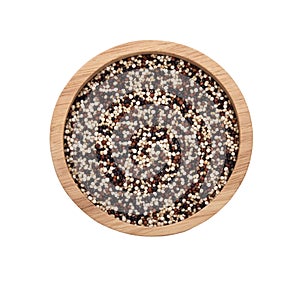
(129, 49)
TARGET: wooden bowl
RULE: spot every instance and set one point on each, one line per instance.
(151, 138)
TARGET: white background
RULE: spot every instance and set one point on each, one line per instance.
(45, 237)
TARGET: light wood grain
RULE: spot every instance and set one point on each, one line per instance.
(133, 48)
